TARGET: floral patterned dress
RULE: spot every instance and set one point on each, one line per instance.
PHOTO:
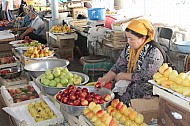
(150, 60)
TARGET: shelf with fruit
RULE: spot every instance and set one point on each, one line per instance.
(8, 61)
(40, 112)
(4, 23)
(116, 114)
(27, 42)
(61, 29)
(38, 52)
(17, 94)
(172, 81)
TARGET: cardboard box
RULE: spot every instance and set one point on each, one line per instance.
(67, 43)
(4, 116)
(65, 53)
(147, 107)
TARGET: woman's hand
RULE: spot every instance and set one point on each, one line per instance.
(123, 76)
(102, 80)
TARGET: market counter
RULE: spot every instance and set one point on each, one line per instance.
(173, 110)
(5, 118)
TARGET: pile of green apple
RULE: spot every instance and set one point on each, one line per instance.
(60, 77)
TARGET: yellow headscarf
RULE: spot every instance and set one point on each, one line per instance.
(144, 27)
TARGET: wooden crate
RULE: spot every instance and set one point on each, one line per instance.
(17, 63)
(62, 41)
(172, 114)
(14, 81)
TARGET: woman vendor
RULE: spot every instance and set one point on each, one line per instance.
(137, 63)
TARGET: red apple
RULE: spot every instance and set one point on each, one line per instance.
(96, 101)
(72, 93)
(81, 98)
(97, 96)
(66, 91)
(92, 94)
(72, 97)
(107, 97)
(84, 103)
(71, 86)
(98, 85)
(70, 102)
(64, 100)
(89, 98)
(58, 96)
(83, 94)
(64, 94)
(85, 90)
(76, 102)
(101, 101)
(78, 91)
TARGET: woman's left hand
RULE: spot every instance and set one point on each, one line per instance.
(123, 76)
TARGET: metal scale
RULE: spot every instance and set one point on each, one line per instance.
(93, 59)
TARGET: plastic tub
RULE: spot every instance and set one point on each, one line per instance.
(96, 13)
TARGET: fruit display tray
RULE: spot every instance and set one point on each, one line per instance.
(186, 98)
(16, 63)
(22, 116)
(9, 100)
(13, 81)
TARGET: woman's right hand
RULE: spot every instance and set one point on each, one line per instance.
(102, 80)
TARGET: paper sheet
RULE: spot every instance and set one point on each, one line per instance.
(6, 35)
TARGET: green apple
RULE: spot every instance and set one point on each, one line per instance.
(46, 82)
(64, 81)
(52, 83)
(80, 78)
(77, 81)
(62, 75)
(58, 80)
(48, 72)
(49, 76)
(59, 85)
(71, 80)
(42, 80)
(43, 75)
(68, 75)
(65, 70)
(75, 76)
(56, 73)
(57, 68)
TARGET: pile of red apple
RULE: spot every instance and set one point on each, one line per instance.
(26, 40)
(78, 96)
(22, 94)
(4, 23)
(6, 60)
(4, 71)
